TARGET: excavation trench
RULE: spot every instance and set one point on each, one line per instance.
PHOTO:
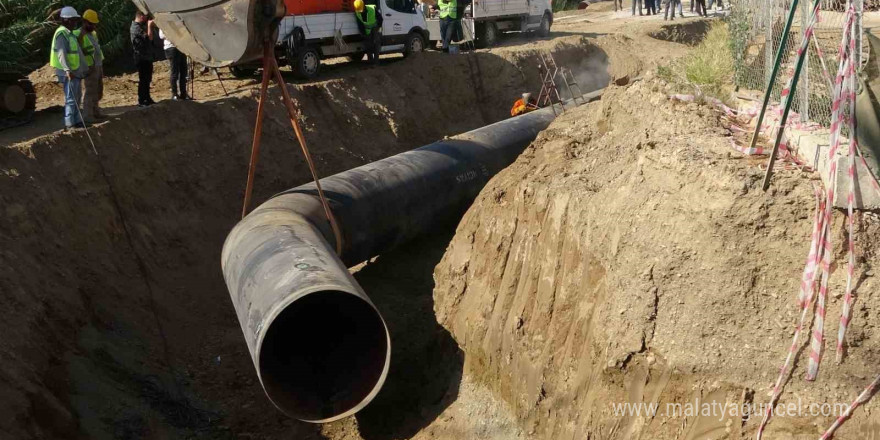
(98, 346)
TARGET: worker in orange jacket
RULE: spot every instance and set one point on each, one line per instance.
(523, 105)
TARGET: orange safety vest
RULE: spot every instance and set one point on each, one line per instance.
(518, 108)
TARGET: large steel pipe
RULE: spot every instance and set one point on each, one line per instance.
(320, 347)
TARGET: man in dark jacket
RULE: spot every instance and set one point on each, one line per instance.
(142, 43)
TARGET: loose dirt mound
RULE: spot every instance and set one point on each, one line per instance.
(115, 333)
(630, 256)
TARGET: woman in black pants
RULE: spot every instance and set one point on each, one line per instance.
(177, 63)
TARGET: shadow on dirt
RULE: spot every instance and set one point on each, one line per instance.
(426, 363)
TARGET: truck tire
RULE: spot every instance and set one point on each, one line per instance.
(544, 30)
(415, 43)
(243, 72)
(487, 36)
(307, 63)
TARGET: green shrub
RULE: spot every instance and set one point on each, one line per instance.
(707, 70)
(27, 26)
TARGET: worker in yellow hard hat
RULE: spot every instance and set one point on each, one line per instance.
(94, 59)
(369, 20)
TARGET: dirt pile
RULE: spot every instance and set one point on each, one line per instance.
(630, 256)
(130, 334)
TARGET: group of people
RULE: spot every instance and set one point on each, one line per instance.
(77, 58)
(78, 61)
(653, 7)
(369, 20)
(144, 38)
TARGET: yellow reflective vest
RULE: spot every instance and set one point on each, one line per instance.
(72, 56)
(88, 48)
(448, 8)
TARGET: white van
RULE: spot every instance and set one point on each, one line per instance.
(304, 40)
(485, 19)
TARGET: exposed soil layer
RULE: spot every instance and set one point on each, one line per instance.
(629, 255)
(116, 320)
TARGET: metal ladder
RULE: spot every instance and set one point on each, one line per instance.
(572, 84)
(549, 70)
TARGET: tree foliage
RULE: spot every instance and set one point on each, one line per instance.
(27, 26)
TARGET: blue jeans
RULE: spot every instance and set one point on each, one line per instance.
(72, 97)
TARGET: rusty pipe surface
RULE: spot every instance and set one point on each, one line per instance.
(320, 347)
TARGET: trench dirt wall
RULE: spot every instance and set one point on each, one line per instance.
(630, 256)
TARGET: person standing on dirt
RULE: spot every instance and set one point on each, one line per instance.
(448, 21)
(141, 42)
(70, 67)
(87, 37)
(651, 7)
(618, 5)
(720, 4)
(639, 2)
(670, 9)
(177, 63)
(369, 20)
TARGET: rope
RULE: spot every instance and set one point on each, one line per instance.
(270, 68)
(142, 267)
(291, 110)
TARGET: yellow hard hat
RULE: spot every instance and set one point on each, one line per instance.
(90, 16)
(358, 5)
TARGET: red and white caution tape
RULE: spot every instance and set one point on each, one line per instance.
(820, 248)
(805, 299)
(861, 400)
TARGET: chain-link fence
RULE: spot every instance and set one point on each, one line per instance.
(756, 28)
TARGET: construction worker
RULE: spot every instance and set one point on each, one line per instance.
(67, 59)
(142, 42)
(523, 105)
(448, 15)
(369, 20)
(93, 89)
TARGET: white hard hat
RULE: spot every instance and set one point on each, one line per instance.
(69, 12)
(525, 97)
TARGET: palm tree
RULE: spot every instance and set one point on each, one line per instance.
(27, 26)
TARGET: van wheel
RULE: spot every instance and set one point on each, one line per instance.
(544, 30)
(307, 63)
(415, 43)
(356, 57)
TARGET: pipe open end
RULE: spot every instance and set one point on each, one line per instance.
(325, 356)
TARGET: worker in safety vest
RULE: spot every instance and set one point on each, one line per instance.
(369, 20)
(448, 22)
(87, 38)
(67, 59)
